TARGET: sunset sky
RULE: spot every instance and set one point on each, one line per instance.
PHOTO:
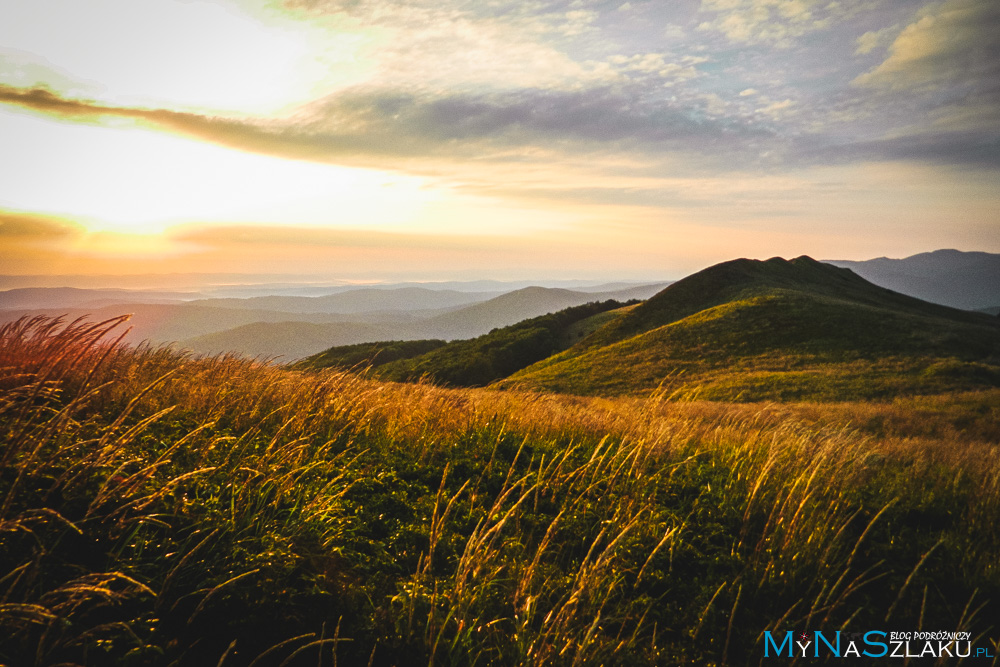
(443, 139)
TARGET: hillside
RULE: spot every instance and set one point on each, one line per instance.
(481, 360)
(361, 355)
(968, 280)
(166, 510)
(778, 329)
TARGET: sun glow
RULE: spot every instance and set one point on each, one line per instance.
(216, 57)
(124, 178)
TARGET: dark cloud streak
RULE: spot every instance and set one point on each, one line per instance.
(965, 149)
(373, 127)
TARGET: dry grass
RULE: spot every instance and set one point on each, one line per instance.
(159, 509)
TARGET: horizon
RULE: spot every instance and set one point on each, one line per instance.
(192, 282)
(378, 141)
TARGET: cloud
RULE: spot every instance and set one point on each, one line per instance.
(283, 138)
(777, 110)
(969, 149)
(30, 243)
(663, 66)
(777, 23)
(599, 119)
(370, 254)
(232, 56)
(265, 237)
(432, 45)
(873, 39)
(23, 227)
(952, 43)
(377, 127)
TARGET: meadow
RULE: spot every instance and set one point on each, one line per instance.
(157, 509)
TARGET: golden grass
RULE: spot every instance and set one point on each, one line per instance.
(543, 529)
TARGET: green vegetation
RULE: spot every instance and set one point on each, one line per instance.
(368, 354)
(778, 330)
(160, 510)
(478, 361)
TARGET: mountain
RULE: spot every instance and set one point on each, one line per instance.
(361, 355)
(778, 329)
(968, 280)
(360, 300)
(281, 334)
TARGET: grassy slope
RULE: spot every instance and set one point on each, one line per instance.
(368, 354)
(503, 351)
(779, 330)
(158, 510)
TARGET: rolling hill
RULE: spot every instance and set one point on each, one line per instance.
(778, 329)
(361, 355)
(477, 361)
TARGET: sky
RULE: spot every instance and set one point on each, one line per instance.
(451, 139)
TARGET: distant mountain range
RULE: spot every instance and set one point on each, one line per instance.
(741, 330)
(292, 327)
(168, 323)
(968, 280)
(288, 321)
(71, 297)
(291, 340)
(361, 300)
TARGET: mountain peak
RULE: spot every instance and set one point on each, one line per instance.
(740, 279)
(779, 328)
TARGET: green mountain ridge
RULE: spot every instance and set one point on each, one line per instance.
(477, 361)
(363, 355)
(778, 329)
(738, 278)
